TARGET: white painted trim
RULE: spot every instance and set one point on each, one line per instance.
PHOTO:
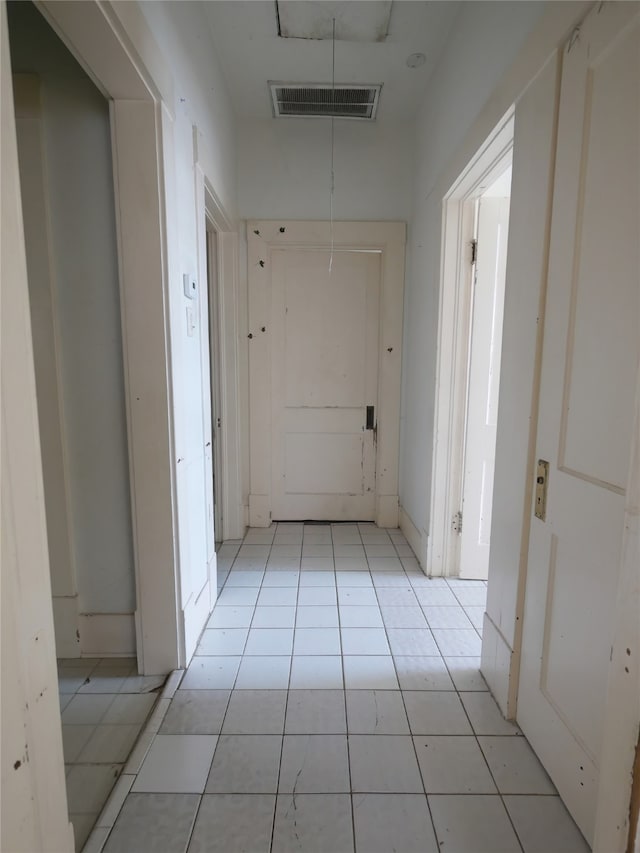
(229, 373)
(105, 635)
(454, 327)
(413, 536)
(388, 238)
(622, 714)
(34, 803)
(65, 621)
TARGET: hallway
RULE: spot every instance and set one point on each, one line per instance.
(335, 695)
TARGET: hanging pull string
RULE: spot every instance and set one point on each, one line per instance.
(333, 109)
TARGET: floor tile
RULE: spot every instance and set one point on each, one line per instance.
(435, 595)
(348, 595)
(278, 596)
(316, 712)
(74, 739)
(385, 822)
(476, 596)
(473, 825)
(279, 579)
(442, 616)
(317, 564)
(87, 709)
(231, 617)
(255, 712)
(313, 823)
(352, 564)
(321, 616)
(364, 641)
(233, 822)
(412, 641)
(245, 764)
(345, 550)
(88, 786)
(316, 595)
(360, 616)
(420, 672)
(383, 764)
(196, 712)
(390, 580)
(373, 712)
(264, 673)
(143, 684)
(129, 708)
(485, 715)
(403, 617)
(82, 826)
(453, 765)
(244, 578)
(317, 641)
(385, 564)
(317, 549)
(109, 744)
(353, 579)
(476, 617)
(432, 712)
(274, 617)
(283, 564)
(222, 641)
(544, 824)
(465, 672)
(515, 766)
(453, 642)
(154, 823)
(316, 672)
(211, 673)
(312, 578)
(369, 672)
(286, 550)
(101, 683)
(396, 596)
(269, 641)
(176, 764)
(65, 699)
(238, 596)
(314, 764)
(380, 550)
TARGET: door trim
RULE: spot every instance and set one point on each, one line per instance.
(389, 239)
(454, 325)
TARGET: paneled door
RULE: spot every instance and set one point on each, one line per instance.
(324, 370)
(589, 362)
(325, 351)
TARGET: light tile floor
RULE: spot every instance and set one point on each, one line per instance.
(334, 704)
(104, 705)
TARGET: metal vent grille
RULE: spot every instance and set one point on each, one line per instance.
(320, 99)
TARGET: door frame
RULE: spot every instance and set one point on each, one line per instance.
(210, 213)
(454, 330)
(388, 238)
(97, 37)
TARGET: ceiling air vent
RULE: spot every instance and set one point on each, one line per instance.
(308, 100)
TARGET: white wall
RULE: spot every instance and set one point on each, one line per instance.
(284, 169)
(199, 101)
(484, 41)
(85, 303)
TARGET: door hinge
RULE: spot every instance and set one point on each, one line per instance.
(456, 522)
(474, 251)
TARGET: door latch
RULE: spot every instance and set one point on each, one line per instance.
(542, 479)
(370, 417)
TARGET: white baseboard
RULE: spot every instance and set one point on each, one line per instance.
(65, 624)
(387, 511)
(107, 634)
(414, 537)
(497, 664)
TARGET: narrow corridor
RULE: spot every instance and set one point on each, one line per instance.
(335, 704)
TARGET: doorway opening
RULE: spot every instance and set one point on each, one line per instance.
(474, 251)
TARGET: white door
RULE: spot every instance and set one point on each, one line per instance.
(484, 378)
(590, 356)
(324, 377)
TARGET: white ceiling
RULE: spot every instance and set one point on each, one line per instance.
(250, 51)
